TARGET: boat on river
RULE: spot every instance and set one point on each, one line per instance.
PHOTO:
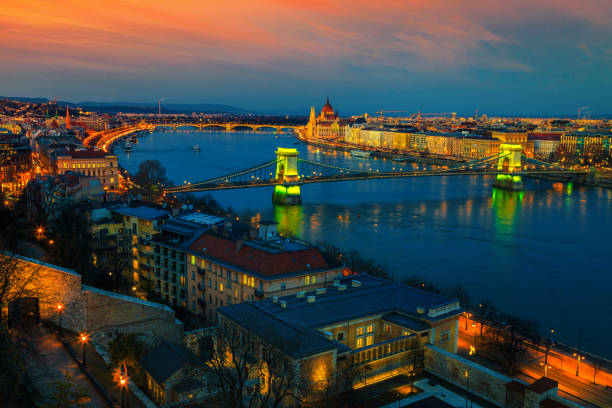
(360, 153)
(196, 148)
(128, 147)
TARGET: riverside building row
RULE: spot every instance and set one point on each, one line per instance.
(467, 144)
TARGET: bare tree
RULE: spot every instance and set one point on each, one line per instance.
(16, 280)
(250, 374)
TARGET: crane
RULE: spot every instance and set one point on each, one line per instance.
(582, 108)
(381, 111)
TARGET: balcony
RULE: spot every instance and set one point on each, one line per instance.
(384, 349)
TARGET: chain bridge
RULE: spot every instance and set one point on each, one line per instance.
(288, 172)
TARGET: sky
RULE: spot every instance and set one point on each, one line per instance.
(521, 57)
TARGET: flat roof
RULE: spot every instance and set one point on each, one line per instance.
(201, 218)
(142, 211)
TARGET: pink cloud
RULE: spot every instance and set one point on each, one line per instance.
(272, 34)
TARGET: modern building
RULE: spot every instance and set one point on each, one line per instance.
(96, 163)
(142, 223)
(169, 279)
(356, 331)
(225, 269)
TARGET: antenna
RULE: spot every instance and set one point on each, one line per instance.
(159, 107)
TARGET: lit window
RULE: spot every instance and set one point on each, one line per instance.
(111, 180)
(340, 336)
(245, 280)
(220, 287)
(65, 165)
(359, 343)
(307, 280)
(370, 328)
(444, 336)
(404, 332)
(369, 340)
(182, 281)
(314, 279)
(73, 166)
(359, 331)
(192, 260)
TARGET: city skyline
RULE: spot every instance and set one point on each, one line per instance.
(265, 56)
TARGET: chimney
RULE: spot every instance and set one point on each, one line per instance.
(275, 299)
(300, 294)
(341, 287)
(283, 304)
(321, 291)
(355, 283)
(239, 245)
(420, 310)
(311, 299)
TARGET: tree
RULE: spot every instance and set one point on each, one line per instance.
(250, 374)
(72, 244)
(16, 281)
(507, 340)
(113, 256)
(150, 179)
(126, 349)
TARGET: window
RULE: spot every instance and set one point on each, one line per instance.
(314, 279)
(307, 280)
(404, 332)
(209, 283)
(370, 328)
(340, 336)
(192, 257)
(182, 281)
(369, 339)
(192, 275)
(220, 287)
(283, 285)
(359, 331)
(193, 290)
(359, 342)
(387, 329)
(245, 280)
(444, 336)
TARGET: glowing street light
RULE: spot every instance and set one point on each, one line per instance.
(83, 339)
(60, 309)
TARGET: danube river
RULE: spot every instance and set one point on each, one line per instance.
(543, 253)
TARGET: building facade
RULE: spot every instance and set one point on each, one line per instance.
(96, 163)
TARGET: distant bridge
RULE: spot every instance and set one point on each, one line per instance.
(228, 126)
(288, 172)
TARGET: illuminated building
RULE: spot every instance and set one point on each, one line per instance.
(326, 126)
(232, 267)
(331, 334)
(68, 123)
(141, 223)
(15, 166)
(170, 279)
(94, 163)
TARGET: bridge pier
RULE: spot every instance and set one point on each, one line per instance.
(510, 161)
(287, 192)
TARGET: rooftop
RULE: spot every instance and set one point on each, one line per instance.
(261, 258)
(294, 327)
(142, 211)
(200, 218)
(165, 360)
(84, 154)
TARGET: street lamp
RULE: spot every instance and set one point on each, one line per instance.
(122, 379)
(83, 340)
(60, 309)
(467, 388)
(548, 345)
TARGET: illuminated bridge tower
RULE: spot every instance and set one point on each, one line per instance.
(509, 162)
(287, 191)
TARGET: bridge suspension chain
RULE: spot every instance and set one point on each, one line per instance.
(536, 161)
(222, 178)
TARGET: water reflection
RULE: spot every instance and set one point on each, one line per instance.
(289, 219)
(506, 205)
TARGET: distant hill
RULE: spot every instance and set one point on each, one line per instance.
(137, 107)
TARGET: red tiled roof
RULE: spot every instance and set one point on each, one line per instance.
(542, 385)
(259, 261)
(84, 154)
